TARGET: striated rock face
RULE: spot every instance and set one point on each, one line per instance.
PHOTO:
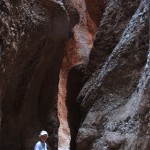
(114, 101)
(33, 34)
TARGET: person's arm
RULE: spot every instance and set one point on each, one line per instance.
(46, 146)
(37, 147)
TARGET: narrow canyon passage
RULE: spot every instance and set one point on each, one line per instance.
(77, 51)
(78, 69)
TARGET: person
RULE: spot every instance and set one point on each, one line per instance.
(41, 144)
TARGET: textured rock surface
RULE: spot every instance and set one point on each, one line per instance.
(32, 41)
(115, 98)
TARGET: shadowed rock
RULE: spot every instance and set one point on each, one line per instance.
(34, 34)
(117, 87)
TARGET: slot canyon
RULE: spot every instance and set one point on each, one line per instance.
(79, 69)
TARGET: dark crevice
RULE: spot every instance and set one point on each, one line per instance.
(1, 46)
(74, 85)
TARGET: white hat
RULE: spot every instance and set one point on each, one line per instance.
(43, 133)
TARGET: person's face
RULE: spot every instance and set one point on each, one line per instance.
(43, 138)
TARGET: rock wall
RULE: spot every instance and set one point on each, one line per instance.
(33, 34)
(114, 100)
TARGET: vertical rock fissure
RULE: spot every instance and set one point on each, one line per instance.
(74, 85)
(1, 46)
(71, 76)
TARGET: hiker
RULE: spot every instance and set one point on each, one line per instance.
(41, 145)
